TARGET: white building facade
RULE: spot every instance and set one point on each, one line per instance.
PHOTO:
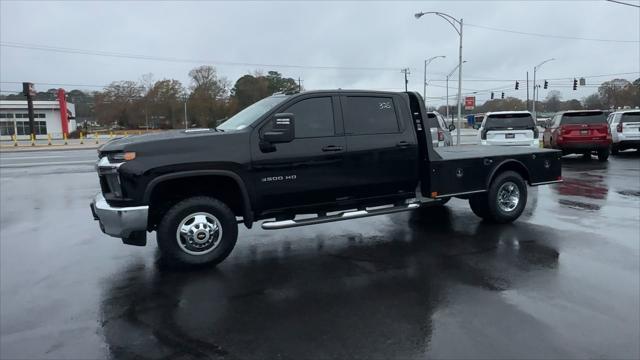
(14, 119)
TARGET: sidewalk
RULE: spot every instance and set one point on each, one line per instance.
(23, 146)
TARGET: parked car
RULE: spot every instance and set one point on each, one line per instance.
(296, 160)
(579, 132)
(508, 128)
(440, 132)
(625, 130)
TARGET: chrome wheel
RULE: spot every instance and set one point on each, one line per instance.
(508, 196)
(199, 233)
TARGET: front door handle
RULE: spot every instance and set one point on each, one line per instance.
(402, 144)
(332, 148)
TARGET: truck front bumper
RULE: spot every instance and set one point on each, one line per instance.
(119, 222)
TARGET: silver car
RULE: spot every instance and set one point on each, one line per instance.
(440, 132)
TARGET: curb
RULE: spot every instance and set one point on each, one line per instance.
(14, 149)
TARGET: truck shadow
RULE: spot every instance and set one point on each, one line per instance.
(349, 295)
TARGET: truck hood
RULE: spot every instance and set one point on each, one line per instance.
(130, 143)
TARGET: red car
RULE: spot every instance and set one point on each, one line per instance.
(579, 132)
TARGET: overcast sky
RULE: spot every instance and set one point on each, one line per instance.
(381, 37)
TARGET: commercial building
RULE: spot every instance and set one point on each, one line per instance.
(14, 119)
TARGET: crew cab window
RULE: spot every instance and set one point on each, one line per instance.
(370, 115)
(314, 117)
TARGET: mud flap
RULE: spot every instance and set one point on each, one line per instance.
(136, 238)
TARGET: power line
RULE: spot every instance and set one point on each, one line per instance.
(550, 35)
(623, 3)
(180, 60)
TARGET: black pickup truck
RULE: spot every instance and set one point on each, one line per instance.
(301, 159)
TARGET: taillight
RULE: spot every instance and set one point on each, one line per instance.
(619, 127)
(440, 135)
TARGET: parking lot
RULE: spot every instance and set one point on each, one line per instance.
(561, 282)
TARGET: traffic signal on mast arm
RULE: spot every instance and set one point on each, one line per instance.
(517, 85)
(575, 84)
(503, 95)
(546, 84)
(492, 95)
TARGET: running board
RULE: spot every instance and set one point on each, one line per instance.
(348, 215)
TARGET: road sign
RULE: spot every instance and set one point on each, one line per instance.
(469, 102)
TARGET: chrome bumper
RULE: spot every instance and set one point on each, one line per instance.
(119, 221)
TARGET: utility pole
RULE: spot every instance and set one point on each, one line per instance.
(185, 112)
(527, 91)
(299, 84)
(29, 91)
(535, 90)
(406, 72)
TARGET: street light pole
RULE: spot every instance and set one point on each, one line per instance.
(453, 22)
(447, 86)
(427, 62)
(535, 89)
(185, 113)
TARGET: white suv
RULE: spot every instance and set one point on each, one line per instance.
(509, 128)
(625, 130)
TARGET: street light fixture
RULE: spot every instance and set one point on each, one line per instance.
(427, 62)
(447, 86)
(457, 26)
(535, 89)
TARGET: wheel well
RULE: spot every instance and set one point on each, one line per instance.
(169, 192)
(511, 166)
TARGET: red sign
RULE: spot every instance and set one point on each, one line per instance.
(64, 120)
(469, 102)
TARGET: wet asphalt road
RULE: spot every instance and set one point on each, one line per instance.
(562, 282)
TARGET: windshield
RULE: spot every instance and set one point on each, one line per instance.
(592, 117)
(513, 121)
(251, 113)
(630, 117)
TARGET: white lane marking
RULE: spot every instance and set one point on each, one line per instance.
(31, 157)
(48, 163)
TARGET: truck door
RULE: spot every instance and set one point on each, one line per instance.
(382, 154)
(309, 169)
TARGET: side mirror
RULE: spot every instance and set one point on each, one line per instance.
(452, 127)
(283, 129)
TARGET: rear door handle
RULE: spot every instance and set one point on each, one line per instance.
(402, 144)
(332, 148)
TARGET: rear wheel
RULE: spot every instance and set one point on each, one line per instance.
(197, 231)
(507, 197)
(603, 155)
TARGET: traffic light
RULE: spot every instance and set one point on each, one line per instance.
(575, 84)
(503, 95)
(492, 95)
(546, 84)
(517, 85)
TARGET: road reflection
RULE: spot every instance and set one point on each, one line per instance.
(584, 186)
(346, 296)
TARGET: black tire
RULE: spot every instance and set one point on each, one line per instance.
(218, 248)
(603, 155)
(479, 205)
(614, 150)
(497, 212)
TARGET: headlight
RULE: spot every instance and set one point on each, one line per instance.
(122, 156)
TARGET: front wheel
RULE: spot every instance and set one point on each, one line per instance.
(197, 231)
(603, 155)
